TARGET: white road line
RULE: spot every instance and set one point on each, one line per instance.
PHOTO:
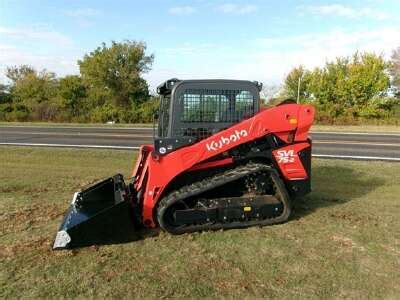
(357, 157)
(72, 146)
(355, 143)
(357, 133)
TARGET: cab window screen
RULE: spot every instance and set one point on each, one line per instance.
(244, 104)
(204, 105)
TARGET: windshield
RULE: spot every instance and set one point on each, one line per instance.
(163, 120)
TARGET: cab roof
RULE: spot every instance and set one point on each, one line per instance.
(167, 86)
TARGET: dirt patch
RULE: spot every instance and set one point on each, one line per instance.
(24, 189)
(354, 218)
(33, 215)
(346, 243)
(43, 244)
(11, 189)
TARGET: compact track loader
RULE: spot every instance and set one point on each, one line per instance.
(218, 161)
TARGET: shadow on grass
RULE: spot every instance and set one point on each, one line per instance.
(99, 223)
(335, 185)
(130, 234)
(332, 185)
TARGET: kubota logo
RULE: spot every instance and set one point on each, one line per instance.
(285, 156)
(216, 145)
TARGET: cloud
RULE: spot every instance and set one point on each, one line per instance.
(270, 59)
(380, 39)
(275, 57)
(347, 12)
(58, 63)
(191, 49)
(82, 13)
(42, 48)
(230, 8)
(32, 34)
(182, 10)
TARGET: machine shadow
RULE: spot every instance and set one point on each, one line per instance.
(130, 234)
(334, 185)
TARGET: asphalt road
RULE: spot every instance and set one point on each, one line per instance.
(375, 146)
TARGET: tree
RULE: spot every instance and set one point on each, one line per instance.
(5, 96)
(367, 78)
(327, 84)
(269, 91)
(34, 88)
(118, 69)
(15, 73)
(353, 86)
(291, 85)
(34, 93)
(73, 94)
(395, 70)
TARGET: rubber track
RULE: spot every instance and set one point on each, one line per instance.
(218, 180)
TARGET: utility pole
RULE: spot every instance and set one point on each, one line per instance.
(298, 90)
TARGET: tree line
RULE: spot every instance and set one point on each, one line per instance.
(361, 88)
(110, 87)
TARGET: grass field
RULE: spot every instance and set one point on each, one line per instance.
(343, 241)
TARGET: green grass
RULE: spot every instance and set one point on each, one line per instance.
(343, 241)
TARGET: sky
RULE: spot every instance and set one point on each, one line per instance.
(254, 39)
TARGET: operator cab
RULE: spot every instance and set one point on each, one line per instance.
(191, 110)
